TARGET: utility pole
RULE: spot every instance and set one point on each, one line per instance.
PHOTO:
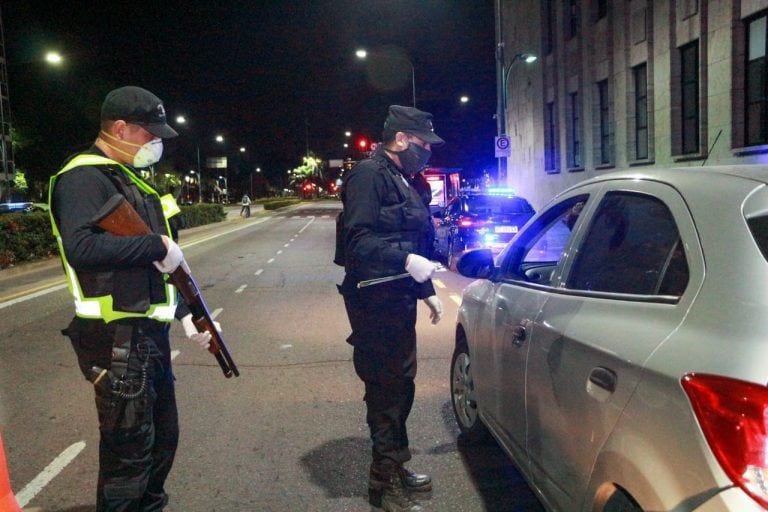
(500, 114)
(6, 146)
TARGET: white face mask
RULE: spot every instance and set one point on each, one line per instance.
(148, 154)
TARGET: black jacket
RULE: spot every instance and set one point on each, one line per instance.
(105, 263)
(384, 221)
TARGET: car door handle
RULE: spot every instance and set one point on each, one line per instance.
(603, 378)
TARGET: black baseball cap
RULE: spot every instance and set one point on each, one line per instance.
(137, 106)
(414, 121)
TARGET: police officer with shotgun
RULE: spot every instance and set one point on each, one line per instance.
(123, 302)
(383, 238)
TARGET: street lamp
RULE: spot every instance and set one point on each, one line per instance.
(528, 58)
(501, 109)
(183, 120)
(226, 188)
(6, 143)
(362, 54)
(54, 58)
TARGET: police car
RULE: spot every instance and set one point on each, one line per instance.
(479, 218)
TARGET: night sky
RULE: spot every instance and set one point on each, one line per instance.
(276, 77)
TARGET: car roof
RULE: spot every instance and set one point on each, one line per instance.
(681, 175)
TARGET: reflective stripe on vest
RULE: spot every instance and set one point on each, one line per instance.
(170, 208)
(101, 307)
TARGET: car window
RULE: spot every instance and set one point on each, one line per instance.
(632, 246)
(537, 251)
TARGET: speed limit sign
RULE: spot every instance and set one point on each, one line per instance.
(502, 146)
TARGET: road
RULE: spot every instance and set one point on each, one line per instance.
(289, 434)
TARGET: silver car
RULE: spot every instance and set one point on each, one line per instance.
(617, 348)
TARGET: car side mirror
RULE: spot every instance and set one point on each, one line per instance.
(477, 263)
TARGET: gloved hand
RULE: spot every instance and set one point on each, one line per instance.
(420, 267)
(172, 259)
(435, 307)
(201, 338)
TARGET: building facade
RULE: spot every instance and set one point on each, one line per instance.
(630, 83)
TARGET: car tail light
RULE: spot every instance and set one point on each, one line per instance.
(734, 417)
(469, 222)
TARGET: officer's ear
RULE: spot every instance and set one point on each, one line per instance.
(118, 129)
(401, 140)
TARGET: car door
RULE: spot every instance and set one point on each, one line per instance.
(617, 300)
(527, 271)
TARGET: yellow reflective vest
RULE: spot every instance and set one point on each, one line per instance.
(102, 306)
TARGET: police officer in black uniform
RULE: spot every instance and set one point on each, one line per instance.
(123, 304)
(385, 226)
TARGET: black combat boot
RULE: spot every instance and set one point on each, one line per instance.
(391, 495)
(413, 482)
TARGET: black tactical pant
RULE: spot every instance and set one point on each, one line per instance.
(138, 435)
(384, 337)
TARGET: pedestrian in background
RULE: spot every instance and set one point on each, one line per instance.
(123, 303)
(246, 206)
(385, 226)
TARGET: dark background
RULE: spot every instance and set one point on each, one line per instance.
(277, 77)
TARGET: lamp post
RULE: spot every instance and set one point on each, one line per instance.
(53, 58)
(502, 106)
(182, 121)
(362, 54)
(258, 170)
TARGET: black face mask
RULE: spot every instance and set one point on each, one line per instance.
(413, 158)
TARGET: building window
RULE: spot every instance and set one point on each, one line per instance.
(689, 82)
(640, 76)
(572, 18)
(550, 138)
(689, 8)
(757, 80)
(549, 25)
(574, 132)
(602, 9)
(604, 121)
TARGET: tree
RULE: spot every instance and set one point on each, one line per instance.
(307, 175)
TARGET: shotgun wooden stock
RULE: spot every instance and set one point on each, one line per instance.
(120, 218)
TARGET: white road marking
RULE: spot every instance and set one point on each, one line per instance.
(286, 245)
(456, 298)
(286, 346)
(32, 295)
(216, 313)
(270, 260)
(311, 220)
(438, 283)
(240, 290)
(258, 272)
(175, 353)
(217, 235)
(280, 251)
(49, 473)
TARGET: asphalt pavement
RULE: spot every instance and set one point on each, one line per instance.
(289, 433)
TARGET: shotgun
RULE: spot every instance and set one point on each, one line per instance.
(120, 218)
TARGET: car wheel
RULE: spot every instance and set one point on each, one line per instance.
(463, 395)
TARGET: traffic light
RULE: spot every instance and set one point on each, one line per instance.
(362, 144)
